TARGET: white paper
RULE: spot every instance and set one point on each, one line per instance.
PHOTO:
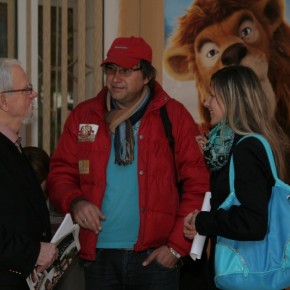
(65, 227)
(198, 241)
(67, 240)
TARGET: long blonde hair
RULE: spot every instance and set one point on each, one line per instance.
(248, 110)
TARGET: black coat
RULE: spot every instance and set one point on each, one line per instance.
(253, 187)
(24, 217)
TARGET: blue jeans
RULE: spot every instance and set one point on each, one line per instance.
(123, 270)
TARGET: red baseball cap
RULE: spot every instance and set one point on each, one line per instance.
(128, 51)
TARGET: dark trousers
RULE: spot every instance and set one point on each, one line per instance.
(194, 274)
(123, 270)
(73, 277)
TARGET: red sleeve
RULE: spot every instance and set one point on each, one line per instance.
(191, 169)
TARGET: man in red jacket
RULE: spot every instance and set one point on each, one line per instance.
(114, 169)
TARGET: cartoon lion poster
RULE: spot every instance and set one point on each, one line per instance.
(216, 33)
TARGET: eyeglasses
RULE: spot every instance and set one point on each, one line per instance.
(111, 70)
(29, 89)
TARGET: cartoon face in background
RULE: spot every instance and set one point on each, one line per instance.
(217, 33)
(236, 40)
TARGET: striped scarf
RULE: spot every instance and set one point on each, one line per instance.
(120, 121)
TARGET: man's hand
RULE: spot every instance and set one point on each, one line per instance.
(47, 255)
(88, 216)
(163, 256)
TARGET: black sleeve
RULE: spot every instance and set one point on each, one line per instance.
(253, 184)
(18, 252)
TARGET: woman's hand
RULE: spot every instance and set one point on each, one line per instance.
(189, 225)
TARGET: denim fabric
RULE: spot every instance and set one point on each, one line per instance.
(123, 270)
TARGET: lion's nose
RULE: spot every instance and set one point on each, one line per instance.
(234, 54)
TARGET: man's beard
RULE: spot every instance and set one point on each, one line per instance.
(32, 114)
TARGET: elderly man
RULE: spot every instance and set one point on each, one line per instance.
(113, 168)
(24, 218)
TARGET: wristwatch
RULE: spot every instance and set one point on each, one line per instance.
(174, 253)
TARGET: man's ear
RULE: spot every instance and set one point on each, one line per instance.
(3, 103)
(146, 81)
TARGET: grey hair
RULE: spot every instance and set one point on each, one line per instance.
(6, 64)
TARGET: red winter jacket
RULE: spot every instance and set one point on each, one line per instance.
(79, 163)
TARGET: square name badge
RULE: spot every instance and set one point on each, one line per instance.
(87, 132)
(84, 166)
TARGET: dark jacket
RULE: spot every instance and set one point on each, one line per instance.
(24, 217)
(253, 187)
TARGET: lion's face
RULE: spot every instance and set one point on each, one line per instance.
(215, 33)
(239, 39)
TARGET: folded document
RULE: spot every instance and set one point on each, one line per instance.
(198, 241)
(67, 240)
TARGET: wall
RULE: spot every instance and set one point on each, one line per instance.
(139, 18)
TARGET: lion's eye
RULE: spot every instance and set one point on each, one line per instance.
(245, 32)
(211, 53)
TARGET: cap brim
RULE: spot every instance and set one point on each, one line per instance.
(122, 61)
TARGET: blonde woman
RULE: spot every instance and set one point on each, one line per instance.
(238, 106)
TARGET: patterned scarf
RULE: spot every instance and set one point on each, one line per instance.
(218, 147)
(121, 120)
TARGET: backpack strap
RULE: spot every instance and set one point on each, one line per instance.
(232, 199)
(167, 127)
(168, 132)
